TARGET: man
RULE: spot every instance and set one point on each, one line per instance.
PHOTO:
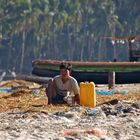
(60, 85)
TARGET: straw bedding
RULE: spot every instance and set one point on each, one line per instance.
(28, 100)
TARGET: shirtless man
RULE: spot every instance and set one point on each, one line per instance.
(61, 84)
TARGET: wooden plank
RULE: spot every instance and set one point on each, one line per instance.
(111, 79)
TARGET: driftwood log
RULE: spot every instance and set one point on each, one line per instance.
(36, 79)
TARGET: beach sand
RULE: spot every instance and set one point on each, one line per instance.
(25, 115)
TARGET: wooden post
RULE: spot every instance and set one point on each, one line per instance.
(111, 79)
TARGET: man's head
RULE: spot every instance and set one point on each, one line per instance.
(65, 69)
(65, 65)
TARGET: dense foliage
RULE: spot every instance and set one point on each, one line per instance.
(64, 30)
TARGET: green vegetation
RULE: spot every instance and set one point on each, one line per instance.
(64, 30)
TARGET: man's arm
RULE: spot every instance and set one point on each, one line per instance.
(77, 98)
(76, 91)
(51, 90)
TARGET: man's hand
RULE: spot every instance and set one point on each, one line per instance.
(77, 98)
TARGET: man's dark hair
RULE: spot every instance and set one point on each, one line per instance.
(65, 65)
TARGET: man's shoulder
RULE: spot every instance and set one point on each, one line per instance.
(73, 79)
(57, 77)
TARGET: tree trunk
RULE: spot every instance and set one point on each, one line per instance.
(22, 51)
(9, 61)
(69, 43)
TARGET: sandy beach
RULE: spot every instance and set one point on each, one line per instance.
(25, 115)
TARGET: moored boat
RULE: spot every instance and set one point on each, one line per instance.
(126, 72)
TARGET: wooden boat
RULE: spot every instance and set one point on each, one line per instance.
(126, 72)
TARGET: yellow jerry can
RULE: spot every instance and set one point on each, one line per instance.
(87, 94)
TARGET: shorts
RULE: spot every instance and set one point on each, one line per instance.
(59, 99)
